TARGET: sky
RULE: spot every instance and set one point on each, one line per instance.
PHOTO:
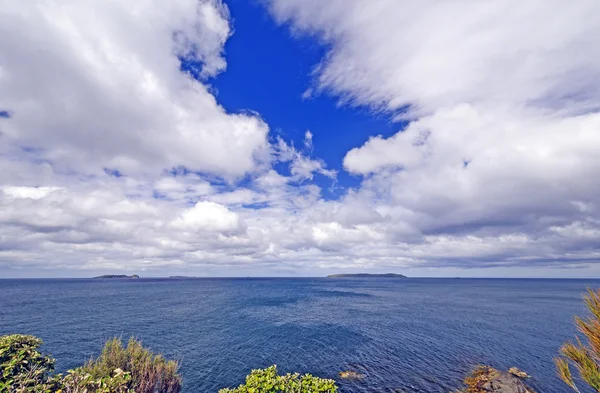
(300, 138)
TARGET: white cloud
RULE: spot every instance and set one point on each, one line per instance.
(98, 84)
(439, 53)
(28, 192)
(308, 140)
(302, 166)
(209, 216)
(503, 133)
(183, 187)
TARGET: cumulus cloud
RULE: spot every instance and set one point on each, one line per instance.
(209, 216)
(433, 54)
(76, 74)
(503, 133)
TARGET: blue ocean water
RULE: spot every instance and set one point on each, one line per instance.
(412, 335)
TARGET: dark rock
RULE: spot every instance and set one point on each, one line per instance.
(505, 383)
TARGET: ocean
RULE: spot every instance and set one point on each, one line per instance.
(404, 335)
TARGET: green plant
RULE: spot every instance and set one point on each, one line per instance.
(23, 367)
(585, 358)
(268, 381)
(133, 369)
(78, 381)
(149, 373)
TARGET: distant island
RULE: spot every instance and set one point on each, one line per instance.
(118, 276)
(368, 275)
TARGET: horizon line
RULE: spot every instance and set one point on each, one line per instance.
(302, 277)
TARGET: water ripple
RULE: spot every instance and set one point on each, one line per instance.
(404, 336)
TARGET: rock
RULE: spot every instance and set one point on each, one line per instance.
(350, 375)
(505, 383)
(518, 373)
(489, 380)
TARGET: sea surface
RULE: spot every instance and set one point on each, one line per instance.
(404, 335)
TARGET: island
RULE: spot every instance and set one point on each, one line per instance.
(112, 276)
(367, 275)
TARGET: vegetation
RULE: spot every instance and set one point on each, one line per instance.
(124, 369)
(24, 368)
(131, 369)
(78, 381)
(479, 377)
(268, 381)
(485, 379)
(584, 356)
(150, 373)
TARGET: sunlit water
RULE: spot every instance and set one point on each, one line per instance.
(413, 335)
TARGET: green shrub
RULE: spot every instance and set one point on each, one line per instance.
(78, 381)
(268, 381)
(133, 369)
(23, 367)
(585, 358)
(149, 373)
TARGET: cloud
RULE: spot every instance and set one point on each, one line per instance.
(114, 158)
(434, 54)
(503, 134)
(16, 192)
(186, 187)
(209, 216)
(77, 74)
(308, 140)
(302, 166)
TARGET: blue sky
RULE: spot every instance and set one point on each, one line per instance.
(299, 138)
(268, 72)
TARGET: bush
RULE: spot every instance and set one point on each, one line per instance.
(149, 373)
(78, 381)
(133, 369)
(585, 358)
(268, 381)
(23, 367)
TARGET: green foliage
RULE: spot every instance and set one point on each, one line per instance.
(149, 373)
(585, 358)
(130, 369)
(133, 369)
(78, 381)
(23, 367)
(268, 381)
